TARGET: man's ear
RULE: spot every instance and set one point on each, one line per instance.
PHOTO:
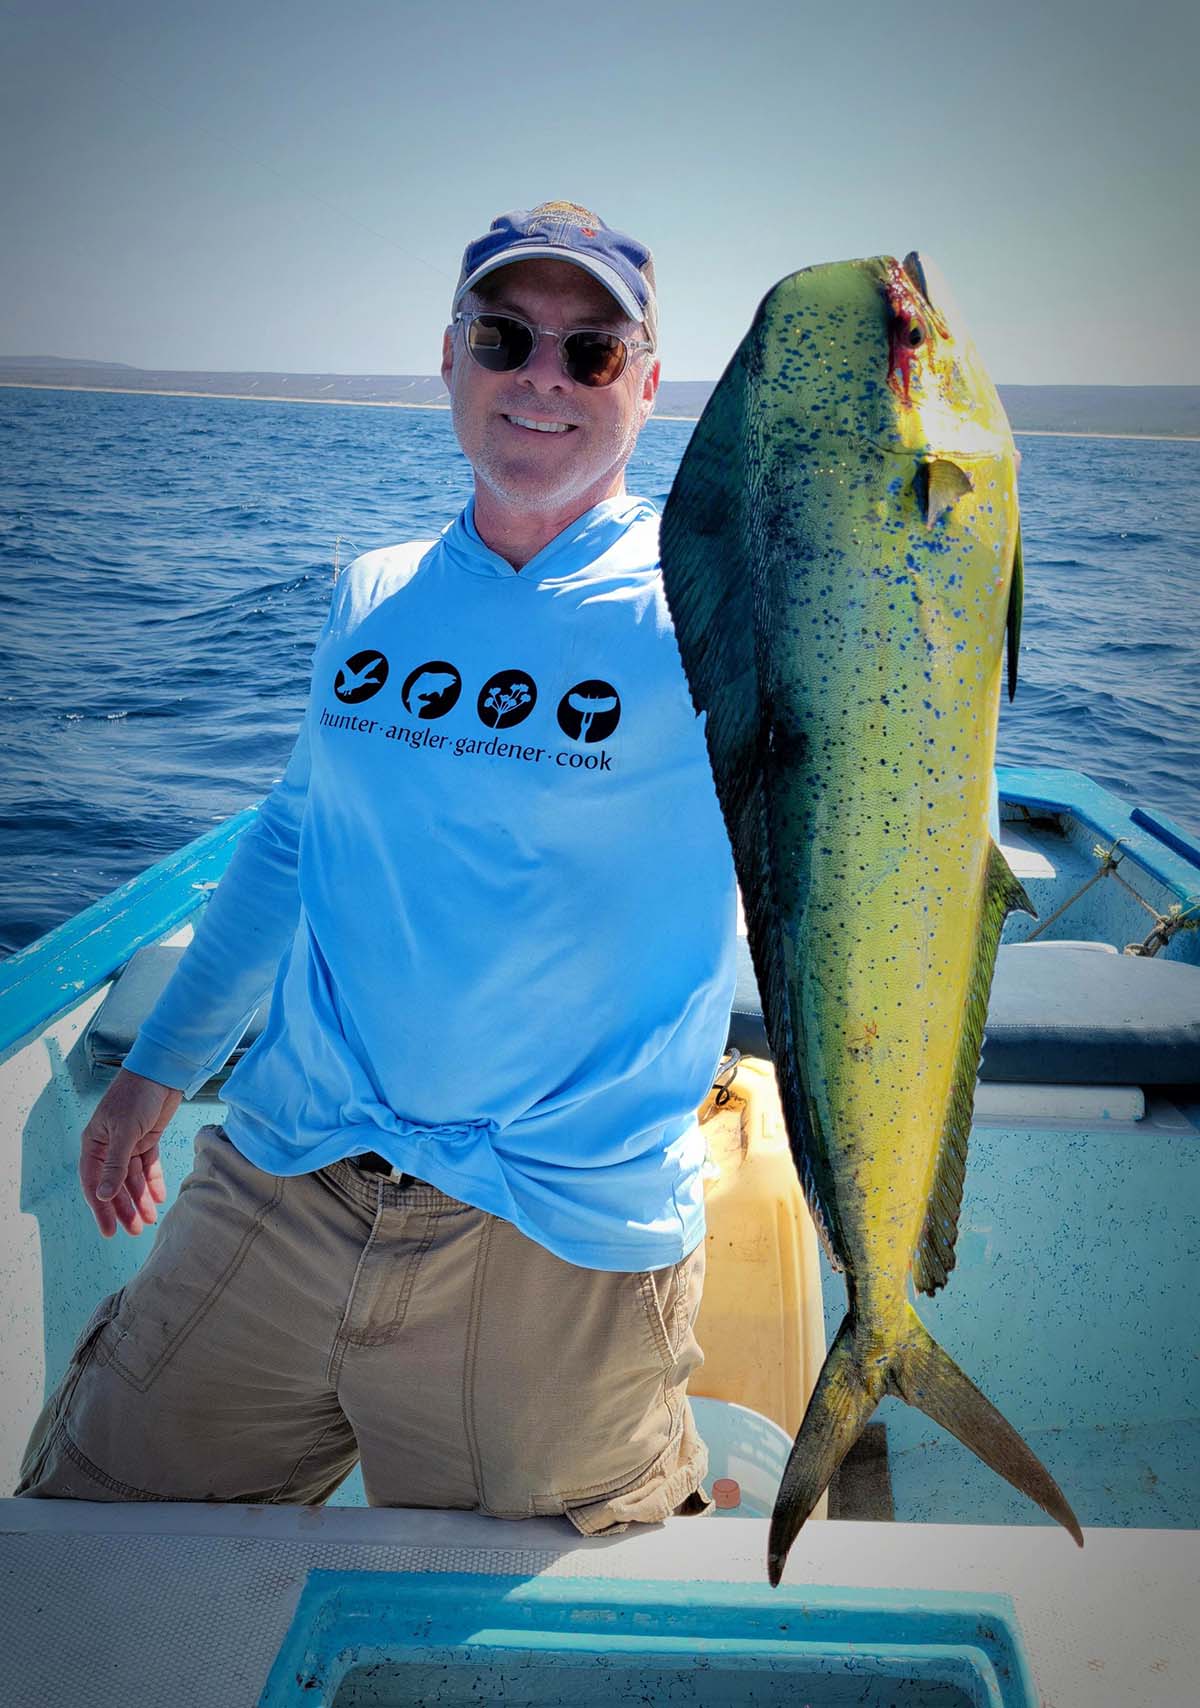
(447, 353)
(650, 377)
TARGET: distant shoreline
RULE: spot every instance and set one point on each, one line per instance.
(395, 403)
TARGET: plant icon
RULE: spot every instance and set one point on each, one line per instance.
(507, 699)
(501, 701)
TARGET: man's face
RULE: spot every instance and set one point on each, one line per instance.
(524, 468)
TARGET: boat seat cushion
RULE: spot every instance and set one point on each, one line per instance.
(131, 996)
(1063, 1016)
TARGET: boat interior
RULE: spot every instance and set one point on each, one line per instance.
(1070, 1306)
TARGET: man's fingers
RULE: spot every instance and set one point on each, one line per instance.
(119, 1167)
(127, 1212)
(156, 1180)
(105, 1220)
(105, 1158)
(139, 1190)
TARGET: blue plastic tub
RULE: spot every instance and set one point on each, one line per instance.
(446, 1639)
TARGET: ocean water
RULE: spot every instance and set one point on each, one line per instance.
(165, 565)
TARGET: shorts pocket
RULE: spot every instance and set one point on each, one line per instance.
(46, 1428)
(202, 1244)
(653, 1495)
(671, 1300)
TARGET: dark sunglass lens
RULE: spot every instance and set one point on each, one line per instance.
(499, 343)
(594, 358)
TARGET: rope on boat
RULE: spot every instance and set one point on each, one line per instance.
(1165, 924)
(725, 1076)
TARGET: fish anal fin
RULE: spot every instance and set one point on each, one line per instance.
(1016, 600)
(934, 1256)
(938, 485)
(752, 842)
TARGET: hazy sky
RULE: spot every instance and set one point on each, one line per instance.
(289, 186)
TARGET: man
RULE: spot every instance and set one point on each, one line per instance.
(455, 1222)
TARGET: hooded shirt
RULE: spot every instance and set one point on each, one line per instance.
(494, 894)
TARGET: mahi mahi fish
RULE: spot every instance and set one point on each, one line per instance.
(841, 555)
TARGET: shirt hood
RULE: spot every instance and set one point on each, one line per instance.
(620, 522)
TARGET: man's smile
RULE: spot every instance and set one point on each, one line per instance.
(540, 426)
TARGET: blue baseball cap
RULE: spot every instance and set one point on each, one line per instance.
(563, 231)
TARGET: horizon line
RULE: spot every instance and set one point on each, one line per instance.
(396, 403)
(354, 374)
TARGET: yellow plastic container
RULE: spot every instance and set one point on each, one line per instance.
(761, 1323)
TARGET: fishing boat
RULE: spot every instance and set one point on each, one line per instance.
(926, 1580)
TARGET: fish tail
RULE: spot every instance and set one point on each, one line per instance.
(928, 1378)
(853, 1379)
(848, 1389)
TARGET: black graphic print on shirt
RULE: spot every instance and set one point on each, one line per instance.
(590, 711)
(431, 690)
(506, 699)
(360, 677)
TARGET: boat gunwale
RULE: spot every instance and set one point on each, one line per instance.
(50, 976)
(56, 972)
(1044, 788)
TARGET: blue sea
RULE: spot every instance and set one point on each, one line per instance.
(167, 563)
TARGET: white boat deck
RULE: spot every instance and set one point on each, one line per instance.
(185, 1606)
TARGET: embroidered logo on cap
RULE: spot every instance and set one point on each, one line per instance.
(566, 213)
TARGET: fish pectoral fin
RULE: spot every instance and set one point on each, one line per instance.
(925, 1376)
(938, 485)
(934, 1257)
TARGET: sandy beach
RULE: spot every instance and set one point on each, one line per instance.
(391, 403)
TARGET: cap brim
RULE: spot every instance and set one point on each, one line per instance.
(600, 270)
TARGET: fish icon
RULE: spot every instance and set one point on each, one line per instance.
(431, 689)
(425, 696)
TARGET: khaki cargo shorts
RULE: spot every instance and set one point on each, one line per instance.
(283, 1327)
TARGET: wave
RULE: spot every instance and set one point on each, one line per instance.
(166, 567)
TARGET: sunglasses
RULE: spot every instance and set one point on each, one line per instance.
(502, 343)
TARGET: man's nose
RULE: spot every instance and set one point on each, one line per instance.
(544, 370)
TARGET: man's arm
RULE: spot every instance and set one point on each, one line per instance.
(221, 979)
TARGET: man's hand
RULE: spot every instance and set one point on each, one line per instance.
(119, 1169)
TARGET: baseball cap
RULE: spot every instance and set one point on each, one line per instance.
(564, 231)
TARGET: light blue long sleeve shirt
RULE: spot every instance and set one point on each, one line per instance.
(492, 897)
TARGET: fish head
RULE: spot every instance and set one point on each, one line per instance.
(870, 431)
(877, 352)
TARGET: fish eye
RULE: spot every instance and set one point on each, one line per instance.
(915, 336)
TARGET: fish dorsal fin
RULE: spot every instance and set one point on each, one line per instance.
(709, 577)
(939, 484)
(1016, 600)
(934, 1258)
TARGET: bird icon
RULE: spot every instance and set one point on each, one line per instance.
(350, 681)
